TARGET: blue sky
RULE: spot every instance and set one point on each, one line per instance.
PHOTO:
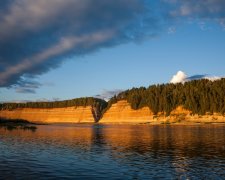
(194, 44)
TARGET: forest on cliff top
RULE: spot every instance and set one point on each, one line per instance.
(199, 96)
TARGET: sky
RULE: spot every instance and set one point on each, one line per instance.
(64, 49)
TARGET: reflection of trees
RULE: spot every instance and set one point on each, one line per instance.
(97, 139)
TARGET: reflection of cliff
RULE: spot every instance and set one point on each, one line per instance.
(182, 144)
(157, 141)
(53, 115)
(175, 152)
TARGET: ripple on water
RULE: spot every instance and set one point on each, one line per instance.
(129, 152)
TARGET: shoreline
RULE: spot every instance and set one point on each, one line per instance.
(133, 124)
(165, 124)
(22, 122)
(120, 113)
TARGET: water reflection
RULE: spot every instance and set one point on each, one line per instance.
(98, 138)
(12, 127)
(174, 152)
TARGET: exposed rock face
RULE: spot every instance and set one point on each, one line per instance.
(180, 110)
(121, 112)
(96, 113)
(180, 114)
(54, 115)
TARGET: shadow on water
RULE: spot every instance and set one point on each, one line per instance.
(13, 127)
(16, 124)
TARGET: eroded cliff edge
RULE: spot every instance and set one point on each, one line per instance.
(194, 101)
(53, 115)
(81, 110)
(119, 113)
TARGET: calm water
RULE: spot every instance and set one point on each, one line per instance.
(113, 152)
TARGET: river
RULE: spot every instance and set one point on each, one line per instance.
(113, 152)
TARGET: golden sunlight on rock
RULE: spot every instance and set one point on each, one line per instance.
(121, 112)
(51, 115)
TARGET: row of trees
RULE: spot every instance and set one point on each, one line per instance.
(199, 96)
(88, 101)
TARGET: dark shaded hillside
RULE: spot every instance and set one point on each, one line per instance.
(199, 96)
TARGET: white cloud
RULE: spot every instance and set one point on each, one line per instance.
(181, 77)
(213, 78)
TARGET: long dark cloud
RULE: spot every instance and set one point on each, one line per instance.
(38, 35)
(28, 85)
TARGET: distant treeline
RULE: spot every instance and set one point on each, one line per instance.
(198, 96)
(88, 101)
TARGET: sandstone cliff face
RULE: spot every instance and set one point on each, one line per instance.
(121, 112)
(181, 114)
(54, 115)
(180, 110)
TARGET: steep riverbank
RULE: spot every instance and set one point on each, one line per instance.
(52, 115)
(119, 113)
(198, 101)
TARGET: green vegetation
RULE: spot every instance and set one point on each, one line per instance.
(98, 105)
(199, 96)
(88, 101)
